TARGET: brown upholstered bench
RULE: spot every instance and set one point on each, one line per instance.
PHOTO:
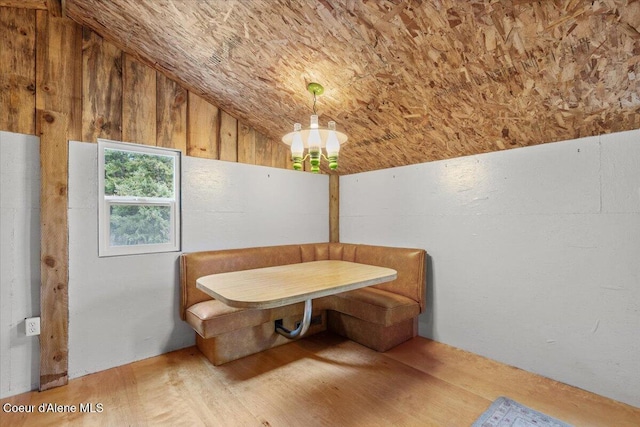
(379, 317)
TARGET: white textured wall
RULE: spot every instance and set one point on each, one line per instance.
(123, 309)
(534, 253)
(19, 261)
(234, 205)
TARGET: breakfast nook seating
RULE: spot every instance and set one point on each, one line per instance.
(379, 316)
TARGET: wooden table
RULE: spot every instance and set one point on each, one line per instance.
(271, 287)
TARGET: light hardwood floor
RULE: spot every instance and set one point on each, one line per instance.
(322, 380)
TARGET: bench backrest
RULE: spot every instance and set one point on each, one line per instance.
(409, 263)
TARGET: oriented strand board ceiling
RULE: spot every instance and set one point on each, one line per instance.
(408, 81)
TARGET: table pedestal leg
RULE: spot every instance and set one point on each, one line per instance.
(302, 328)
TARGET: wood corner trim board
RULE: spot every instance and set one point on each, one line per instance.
(58, 119)
(334, 208)
(54, 265)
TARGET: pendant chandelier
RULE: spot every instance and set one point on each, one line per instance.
(314, 138)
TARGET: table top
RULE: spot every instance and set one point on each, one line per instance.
(288, 284)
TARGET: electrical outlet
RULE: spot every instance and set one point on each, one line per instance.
(32, 326)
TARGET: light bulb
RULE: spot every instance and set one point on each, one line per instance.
(333, 145)
(297, 147)
(315, 141)
(314, 122)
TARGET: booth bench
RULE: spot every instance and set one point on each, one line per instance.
(379, 317)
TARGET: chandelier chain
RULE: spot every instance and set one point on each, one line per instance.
(314, 104)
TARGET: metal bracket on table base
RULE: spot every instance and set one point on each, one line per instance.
(302, 328)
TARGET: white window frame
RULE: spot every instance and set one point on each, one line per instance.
(105, 249)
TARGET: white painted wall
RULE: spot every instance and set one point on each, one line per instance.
(19, 261)
(534, 253)
(234, 205)
(123, 309)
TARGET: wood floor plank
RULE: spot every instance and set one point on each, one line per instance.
(426, 399)
(317, 381)
(491, 379)
(340, 383)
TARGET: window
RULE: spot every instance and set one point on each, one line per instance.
(139, 199)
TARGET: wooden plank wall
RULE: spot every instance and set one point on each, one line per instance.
(64, 82)
(119, 98)
(58, 118)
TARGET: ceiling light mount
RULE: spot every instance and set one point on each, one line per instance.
(315, 88)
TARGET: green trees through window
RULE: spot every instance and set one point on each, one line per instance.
(128, 173)
(138, 175)
(140, 194)
(139, 225)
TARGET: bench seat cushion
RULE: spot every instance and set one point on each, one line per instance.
(212, 318)
(374, 305)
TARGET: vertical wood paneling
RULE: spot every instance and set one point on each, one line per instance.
(59, 112)
(289, 163)
(278, 155)
(139, 102)
(334, 208)
(246, 144)
(17, 70)
(263, 150)
(59, 69)
(54, 7)
(101, 89)
(171, 114)
(203, 128)
(228, 137)
(54, 312)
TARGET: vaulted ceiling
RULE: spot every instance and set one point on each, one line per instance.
(408, 81)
